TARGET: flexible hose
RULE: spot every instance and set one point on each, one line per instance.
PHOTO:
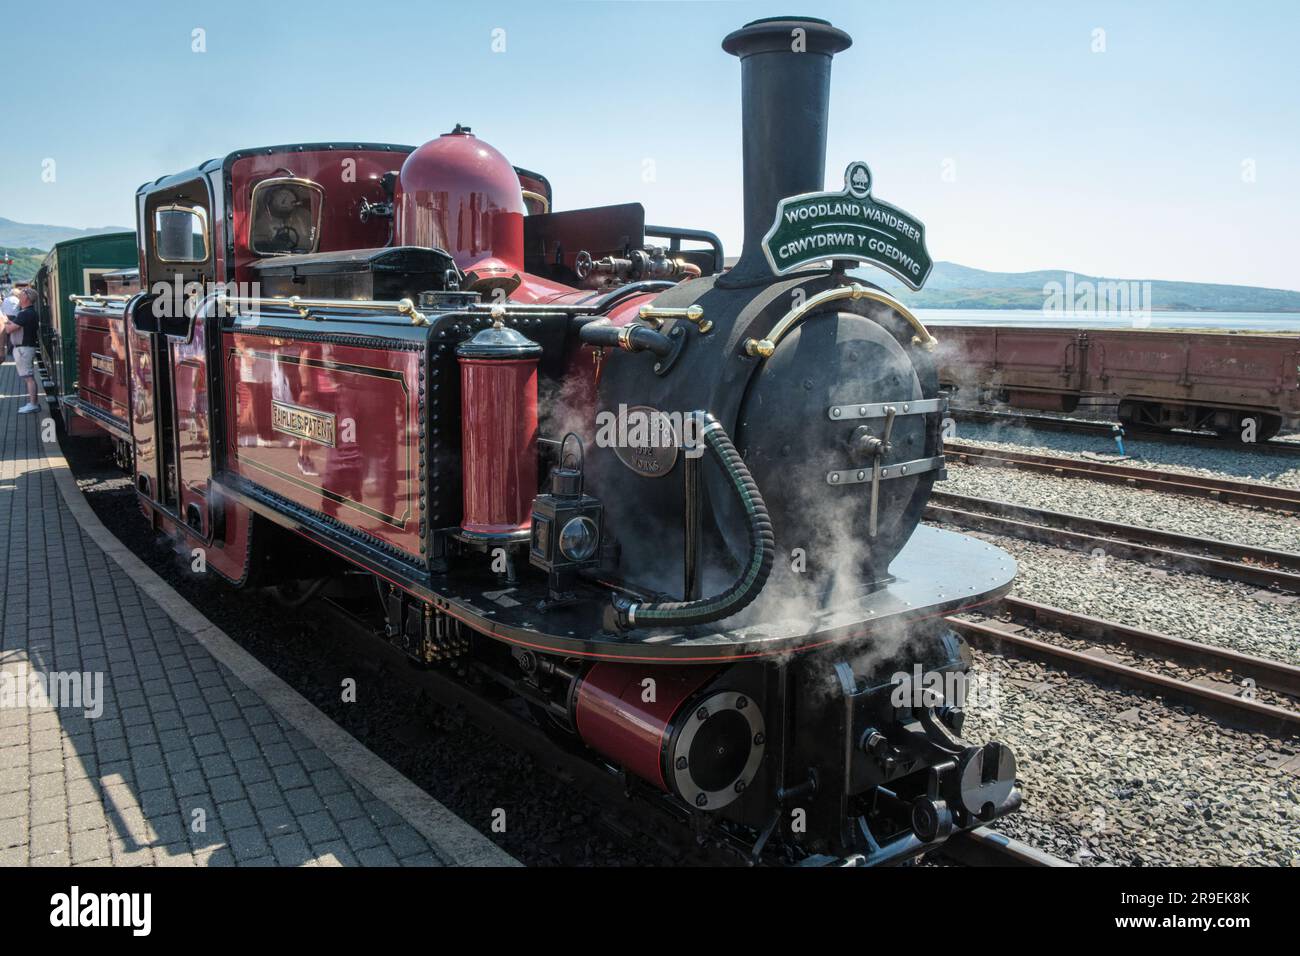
(762, 551)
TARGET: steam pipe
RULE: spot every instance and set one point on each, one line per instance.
(602, 302)
(631, 338)
(624, 613)
(785, 80)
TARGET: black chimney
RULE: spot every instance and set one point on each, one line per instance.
(785, 79)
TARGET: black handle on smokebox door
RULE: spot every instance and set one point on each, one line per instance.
(624, 614)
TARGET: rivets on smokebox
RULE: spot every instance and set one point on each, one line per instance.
(862, 411)
(862, 475)
(835, 478)
(835, 413)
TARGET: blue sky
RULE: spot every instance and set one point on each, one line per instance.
(995, 123)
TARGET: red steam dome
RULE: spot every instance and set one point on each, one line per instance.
(459, 194)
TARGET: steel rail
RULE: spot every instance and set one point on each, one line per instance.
(985, 847)
(1141, 534)
(1071, 531)
(1247, 713)
(1104, 429)
(1266, 673)
(1222, 489)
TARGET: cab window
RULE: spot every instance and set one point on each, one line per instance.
(286, 216)
(180, 233)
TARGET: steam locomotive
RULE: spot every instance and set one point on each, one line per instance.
(672, 506)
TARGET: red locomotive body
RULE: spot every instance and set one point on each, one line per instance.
(362, 357)
(332, 428)
(99, 406)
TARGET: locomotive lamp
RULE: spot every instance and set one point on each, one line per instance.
(565, 524)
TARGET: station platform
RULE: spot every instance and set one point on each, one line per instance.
(134, 732)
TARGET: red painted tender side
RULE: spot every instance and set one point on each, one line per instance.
(332, 428)
(102, 368)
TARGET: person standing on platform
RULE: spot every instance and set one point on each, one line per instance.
(9, 308)
(22, 333)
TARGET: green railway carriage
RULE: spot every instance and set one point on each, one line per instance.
(74, 267)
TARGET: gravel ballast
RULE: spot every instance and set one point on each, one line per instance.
(1112, 777)
(1138, 506)
(1239, 616)
(1236, 462)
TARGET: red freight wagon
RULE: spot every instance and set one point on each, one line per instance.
(1160, 378)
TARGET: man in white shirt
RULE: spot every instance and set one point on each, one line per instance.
(8, 309)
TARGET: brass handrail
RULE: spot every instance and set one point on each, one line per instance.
(74, 297)
(537, 197)
(655, 315)
(766, 346)
(304, 307)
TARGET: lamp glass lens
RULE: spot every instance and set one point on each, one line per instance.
(578, 539)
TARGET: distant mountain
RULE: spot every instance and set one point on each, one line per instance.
(953, 286)
(32, 235)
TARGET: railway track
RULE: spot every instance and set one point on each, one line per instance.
(1225, 560)
(1220, 489)
(985, 847)
(1203, 694)
(1104, 430)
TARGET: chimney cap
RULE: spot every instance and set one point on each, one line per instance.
(776, 34)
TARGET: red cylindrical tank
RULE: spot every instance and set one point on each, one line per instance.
(498, 382)
(458, 194)
(666, 725)
(614, 718)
